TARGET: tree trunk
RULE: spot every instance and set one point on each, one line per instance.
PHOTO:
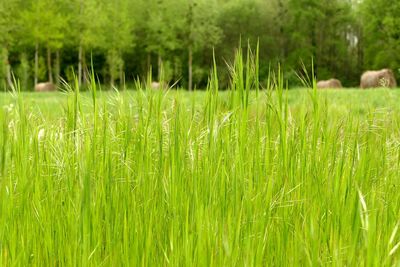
(84, 69)
(24, 70)
(190, 64)
(9, 80)
(80, 65)
(314, 47)
(121, 77)
(80, 52)
(111, 76)
(360, 51)
(36, 62)
(57, 67)
(190, 45)
(9, 76)
(148, 61)
(49, 67)
(160, 68)
(281, 15)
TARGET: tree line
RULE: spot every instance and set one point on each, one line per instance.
(43, 40)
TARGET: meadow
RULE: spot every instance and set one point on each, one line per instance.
(242, 177)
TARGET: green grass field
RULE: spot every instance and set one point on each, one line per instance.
(344, 101)
(235, 178)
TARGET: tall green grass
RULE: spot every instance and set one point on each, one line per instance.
(165, 178)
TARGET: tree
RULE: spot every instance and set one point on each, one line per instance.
(199, 29)
(320, 32)
(255, 22)
(8, 27)
(342, 36)
(381, 34)
(86, 30)
(118, 32)
(159, 26)
(43, 25)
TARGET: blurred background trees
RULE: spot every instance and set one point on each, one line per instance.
(43, 40)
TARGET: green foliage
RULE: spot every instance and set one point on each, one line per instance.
(320, 31)
(3, 62)
(126, 38)
(118, 34)
(159, 21)
(86, 23)
(199, 24)
(8, 27)
(42, 71)
(23, 71)
(381, 33)
(43, 23)
(115, 64)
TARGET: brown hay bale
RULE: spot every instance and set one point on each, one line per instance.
(158, 85)
(155, 85)
(331, 83)
(45, 87)
(378, 78)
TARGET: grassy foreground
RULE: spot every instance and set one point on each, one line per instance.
(237, 178)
